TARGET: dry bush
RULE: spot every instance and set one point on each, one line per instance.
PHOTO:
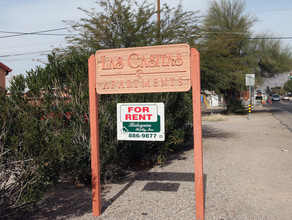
(214, 118)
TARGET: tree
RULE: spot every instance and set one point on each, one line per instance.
(120, 24)
(224, 58)
(126, 23)
(271, 55)
(38, 143)
(30, 152)
(269, 91)
(63, 83)
(288, 86)
(229, 52)
(17, 88)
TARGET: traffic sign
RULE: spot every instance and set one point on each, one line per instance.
(140, 121)
(249, 79)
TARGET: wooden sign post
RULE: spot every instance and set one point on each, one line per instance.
(168, 68)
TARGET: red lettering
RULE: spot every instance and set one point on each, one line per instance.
(136, 116)
(179, 60)
(129, 84)
(149, 116)
(105, 86)
(142, 117)
(113, 84)
(144, 61)
(103, 63)
(120, 63)
(157, 60)
(155, 82)
(145, 84)
(135, 83)
(129, 60)
(145, 109)
(163, 59)
(130, 109)
(172, 79)
(170, 60)
(152, 61)
(180, 82)
(163, 82)
(111, 64)
(137, 109)
(121, 85)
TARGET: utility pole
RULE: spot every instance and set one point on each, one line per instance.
(250, 101)
(158, 23)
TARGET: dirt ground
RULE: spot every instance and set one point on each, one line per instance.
(247, 175)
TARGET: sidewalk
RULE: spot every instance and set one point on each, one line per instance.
(247, 172)
(284, 116)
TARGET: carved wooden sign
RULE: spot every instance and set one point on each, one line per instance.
(167, 68)
(143, 69)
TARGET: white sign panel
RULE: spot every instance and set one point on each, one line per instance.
(249, 79)
(140, 121)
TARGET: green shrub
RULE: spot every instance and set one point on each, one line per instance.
(29, 155)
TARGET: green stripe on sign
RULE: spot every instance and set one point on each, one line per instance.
(142, 126)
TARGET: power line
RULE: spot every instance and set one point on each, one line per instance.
(276, 10)
(21, 54)
(262, 11)
(270, 38)
(57, 29)
(17, 32)
(30, 45)
(44, 32)
(249, 38)
(206, 37)
(21, 59)
(253, 38)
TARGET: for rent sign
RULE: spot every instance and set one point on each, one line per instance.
(140, 121)
(143, 69)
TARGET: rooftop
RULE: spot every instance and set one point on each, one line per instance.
(6, 68)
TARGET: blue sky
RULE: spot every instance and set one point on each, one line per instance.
(37, 15)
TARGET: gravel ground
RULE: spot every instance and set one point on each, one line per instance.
(247, 173)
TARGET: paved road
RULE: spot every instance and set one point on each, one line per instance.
(285, 105)
(282, 110)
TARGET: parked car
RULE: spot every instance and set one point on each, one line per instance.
(276, 97)
(286, 97)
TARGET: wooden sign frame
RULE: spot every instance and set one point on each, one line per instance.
(197, 130)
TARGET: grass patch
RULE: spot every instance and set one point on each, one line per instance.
(214, 118)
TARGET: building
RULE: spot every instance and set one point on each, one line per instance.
(4, 70)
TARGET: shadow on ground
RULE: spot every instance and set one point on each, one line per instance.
(62, 202)
(153, 184)
(67, 201)
(210, 132)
